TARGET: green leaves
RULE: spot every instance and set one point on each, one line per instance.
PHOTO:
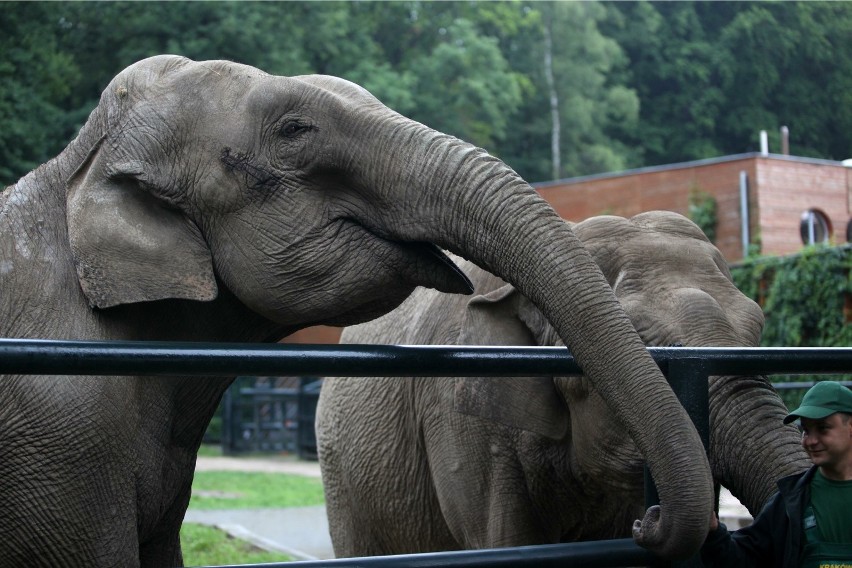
(610, 86)
(465, 86)
(35, 76)
(803, 296)
(702, 211)
(806, 300)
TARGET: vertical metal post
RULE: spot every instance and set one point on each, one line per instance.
(254, 444)
(744, 213)
(227, 422)
(689, 381)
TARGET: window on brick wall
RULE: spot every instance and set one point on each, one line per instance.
(815, 227)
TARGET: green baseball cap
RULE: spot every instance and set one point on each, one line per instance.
(823, 399)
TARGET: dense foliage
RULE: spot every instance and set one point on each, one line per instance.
(806, 299)
(804, 296)
(556, 89)
(702, 211)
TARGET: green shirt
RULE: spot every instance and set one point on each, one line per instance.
(832, 505)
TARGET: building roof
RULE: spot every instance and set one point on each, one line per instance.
(683, 165)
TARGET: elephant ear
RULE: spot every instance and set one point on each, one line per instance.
(528, 403)
(128, 245)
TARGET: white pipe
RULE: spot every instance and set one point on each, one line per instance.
(811, 228)
(744, 211)
(764, 143)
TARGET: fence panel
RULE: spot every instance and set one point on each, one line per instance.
(687, 369)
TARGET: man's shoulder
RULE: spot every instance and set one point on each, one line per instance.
(796, 481)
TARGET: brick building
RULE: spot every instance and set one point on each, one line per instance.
(779, 200)
(770, 198)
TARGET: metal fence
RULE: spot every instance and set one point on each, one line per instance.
(687, 370)
(268, 414)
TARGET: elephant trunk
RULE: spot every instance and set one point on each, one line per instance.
(750, 463)
(477, 207)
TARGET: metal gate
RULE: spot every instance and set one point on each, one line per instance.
(270, 414)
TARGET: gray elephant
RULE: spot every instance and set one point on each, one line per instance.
(210, 201)
(415, 465)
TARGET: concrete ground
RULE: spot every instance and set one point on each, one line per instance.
(302, 532)
(732, 512)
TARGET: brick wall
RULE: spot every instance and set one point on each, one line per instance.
(786, 189)
(780, 189)
(316, 334)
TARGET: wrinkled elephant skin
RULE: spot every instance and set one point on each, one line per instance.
(210, 201)
(426, 464)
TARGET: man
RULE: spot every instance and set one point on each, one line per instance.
(808, 523)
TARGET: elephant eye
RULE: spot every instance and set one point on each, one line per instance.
(292, 128)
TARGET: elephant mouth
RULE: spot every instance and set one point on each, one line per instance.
(445, 275)
(393, 269)
(416, 262)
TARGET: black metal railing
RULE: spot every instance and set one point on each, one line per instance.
(268, 414)
(686, 368)
(56, 357)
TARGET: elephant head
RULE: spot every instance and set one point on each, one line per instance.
(311, 202)
(677, 290)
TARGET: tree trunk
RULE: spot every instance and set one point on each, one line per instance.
(556, 171)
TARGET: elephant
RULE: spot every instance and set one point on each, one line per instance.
(440, 463)
(210, 201)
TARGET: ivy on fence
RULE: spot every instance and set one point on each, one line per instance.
(806, 299)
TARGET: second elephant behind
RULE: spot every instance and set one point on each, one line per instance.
(428, 464)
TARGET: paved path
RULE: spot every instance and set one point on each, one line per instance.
(301, 532)
(272, 464)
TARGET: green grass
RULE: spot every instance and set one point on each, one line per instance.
(208, 546)
(242, 490)
(210, 451)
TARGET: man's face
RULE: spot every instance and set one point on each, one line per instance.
(828, 441)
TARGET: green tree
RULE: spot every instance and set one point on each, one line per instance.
(585, 98)
(596, 109)
(465, 86)
(35, 77)
(105, 37)
(803, 298)
(673, 68)
(555, 89)
(711, 75)
(789, 63)
(802, 295)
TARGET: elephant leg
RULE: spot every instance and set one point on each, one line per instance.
(162, 550)
(342, 522)
(161, 547)
(60, 507)
(83, 526)
(482, 487)
(379, 495)
(387, 521)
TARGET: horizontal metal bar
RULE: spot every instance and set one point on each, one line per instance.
(262, 391)
(597, 554)
(53, 357)
(804, 385)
